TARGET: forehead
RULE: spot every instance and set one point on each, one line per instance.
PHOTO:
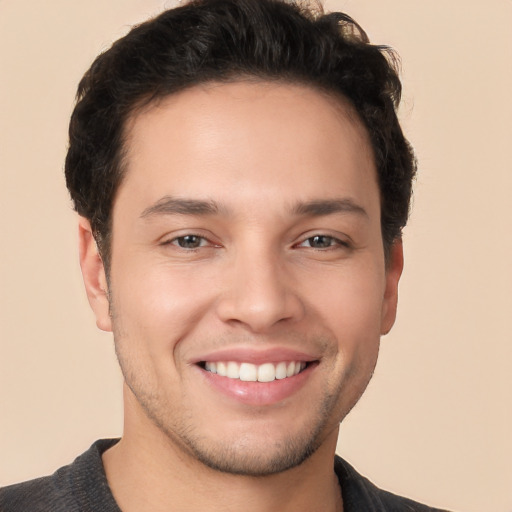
(244, 140)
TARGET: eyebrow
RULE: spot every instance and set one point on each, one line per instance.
(316, 208)
(320, 207)
(172, 205)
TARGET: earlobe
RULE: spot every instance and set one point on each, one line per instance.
(394, 269)
(94, 276)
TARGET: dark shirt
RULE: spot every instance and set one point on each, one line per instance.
(82, 487)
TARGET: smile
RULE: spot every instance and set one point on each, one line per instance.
(249, 372)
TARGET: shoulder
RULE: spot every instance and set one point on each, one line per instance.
(71, 488)
(361, 494)
(53, 492)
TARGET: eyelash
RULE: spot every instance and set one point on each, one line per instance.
(333, 242)
(175, 242)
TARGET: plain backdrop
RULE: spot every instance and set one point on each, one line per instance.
(436, 421)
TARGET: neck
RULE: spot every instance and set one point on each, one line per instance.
(148, 472)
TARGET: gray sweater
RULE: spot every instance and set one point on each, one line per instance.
(82, 487)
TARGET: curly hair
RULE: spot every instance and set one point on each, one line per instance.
(222, 41)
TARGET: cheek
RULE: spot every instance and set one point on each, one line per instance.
(349, 304)
(354, 294)
(157, 306)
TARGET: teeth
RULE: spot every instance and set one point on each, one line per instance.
(221, 369)
(233, 370)
(249, 372)
(211, 367)
(266, 372)
(281, 371)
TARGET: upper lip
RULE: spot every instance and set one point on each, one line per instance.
(251, 355)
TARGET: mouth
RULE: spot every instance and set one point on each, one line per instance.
(250, 372)
(257, 377)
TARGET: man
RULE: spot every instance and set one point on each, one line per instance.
(242, 182)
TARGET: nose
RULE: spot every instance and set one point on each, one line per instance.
(259, 293)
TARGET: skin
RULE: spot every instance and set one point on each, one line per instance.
(267, 155)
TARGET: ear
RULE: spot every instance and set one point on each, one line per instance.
(394, 269)
(93, 272)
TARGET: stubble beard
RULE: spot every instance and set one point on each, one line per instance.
(238, 456)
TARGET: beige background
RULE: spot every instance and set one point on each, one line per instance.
(436, 421)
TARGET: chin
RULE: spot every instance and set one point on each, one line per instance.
(241, 458)
(256, 449)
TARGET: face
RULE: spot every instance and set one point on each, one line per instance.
(248, 289)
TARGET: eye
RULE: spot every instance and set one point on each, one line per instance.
(322, 242)
(189, 241)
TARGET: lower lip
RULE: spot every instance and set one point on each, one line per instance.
(259, 393)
